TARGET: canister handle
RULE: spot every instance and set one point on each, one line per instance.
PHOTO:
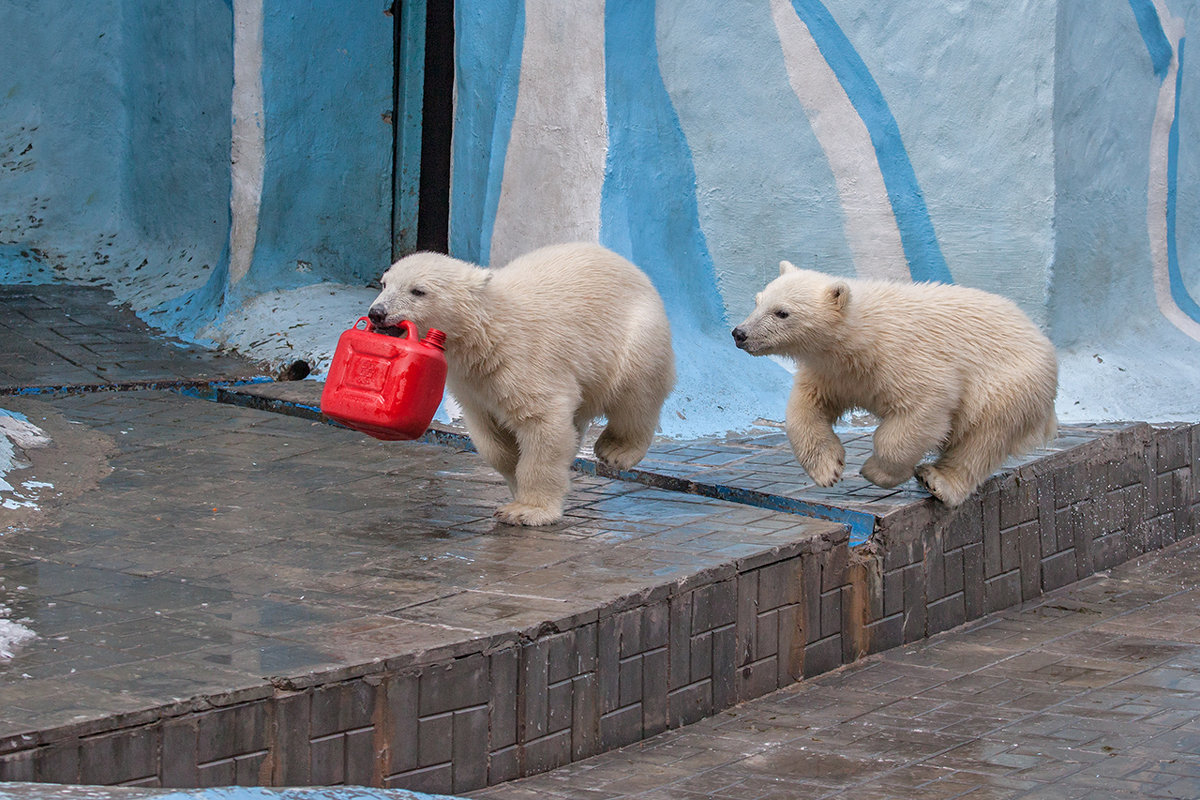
(409, 327)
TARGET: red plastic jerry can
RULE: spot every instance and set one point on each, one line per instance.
(385, 386)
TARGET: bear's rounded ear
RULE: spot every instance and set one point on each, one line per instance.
(483, 277)
(839, 294)
(786, 266)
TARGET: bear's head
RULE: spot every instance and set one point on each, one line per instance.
(798, 312)
(432, 290)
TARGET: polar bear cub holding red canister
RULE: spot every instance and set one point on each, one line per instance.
(535, 350)
(945, 368)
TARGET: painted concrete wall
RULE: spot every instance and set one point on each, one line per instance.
(225, 165)
(129, 149)
(1038, 149)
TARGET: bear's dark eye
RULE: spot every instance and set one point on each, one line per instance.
(781, 314)
(417, 292)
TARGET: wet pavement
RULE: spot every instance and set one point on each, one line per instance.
(164, 548)
(217, 547)
(1091, 691)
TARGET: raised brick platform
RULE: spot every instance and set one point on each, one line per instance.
(240, 595)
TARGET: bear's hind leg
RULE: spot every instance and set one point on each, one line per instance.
(966, 462)
(633, 419)
(901, 441)
(974, 455)
(496, 445)
(624, 441)
(547, 444)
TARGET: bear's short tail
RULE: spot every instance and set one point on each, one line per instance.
(1040, 436)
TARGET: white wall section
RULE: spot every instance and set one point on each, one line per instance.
(554, 168)
(248, 152)
(870, 224)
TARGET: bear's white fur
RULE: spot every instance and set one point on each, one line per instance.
(535, 351)
(946, 368)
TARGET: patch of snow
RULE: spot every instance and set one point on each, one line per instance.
(279, 326)
(1133, 383)
(17, 433)
(12, 634)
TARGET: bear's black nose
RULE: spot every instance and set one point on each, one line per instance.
(377, 314)
(739, 336)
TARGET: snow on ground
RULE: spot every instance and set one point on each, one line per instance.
(12, 634)
(279, 327)
(17, 433)
(1127, 383)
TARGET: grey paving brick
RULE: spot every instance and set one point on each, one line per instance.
(435, 739)
(585, 720)
(914, 603)
(18, 766)
(1058, 570)
(401, 725)
(747, 617)
(470, 749)
(335, 708)
(629, 689)
(690, 704)
(361, 767)
(831, 612)
(946, 613)
(790, 650)
(822, 656)
(533, 693)
(620, 727)
(58, 763)
(1030, 544)
(935, 573)
(724, 687)
(327, 760)
(1002, 591)
(290, 736)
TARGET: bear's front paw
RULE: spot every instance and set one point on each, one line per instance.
(827, 470)
(522, 514)
(942, 486)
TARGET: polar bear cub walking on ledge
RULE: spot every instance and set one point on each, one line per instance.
(535, 351)
(946, 368)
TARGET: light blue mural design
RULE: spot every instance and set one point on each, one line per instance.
(1179, 293)
(327, 181)
(489, 38)
(1159, 48)
(649, 213)
(925, 259)
(1152, 34)
(763, 187)
(648, 208)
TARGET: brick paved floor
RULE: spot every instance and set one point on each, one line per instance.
(56, 336)
(1092, 691)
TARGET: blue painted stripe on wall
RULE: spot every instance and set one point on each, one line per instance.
(648, 207)
(1179, 293)
(490, 35)
(1153, 35)
(925, 259)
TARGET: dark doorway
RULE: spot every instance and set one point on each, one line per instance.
(424, 81)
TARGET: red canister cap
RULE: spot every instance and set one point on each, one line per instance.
(436, 338)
